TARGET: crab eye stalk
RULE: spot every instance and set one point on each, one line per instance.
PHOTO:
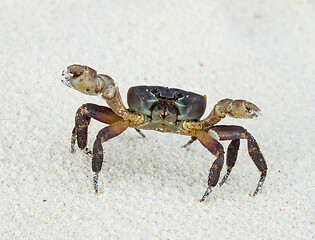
(178, 96)
(155, 92)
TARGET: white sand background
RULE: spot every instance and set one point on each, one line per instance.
(261, 51)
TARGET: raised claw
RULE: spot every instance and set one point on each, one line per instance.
(81, 78)
(242, 109)
(86, 80)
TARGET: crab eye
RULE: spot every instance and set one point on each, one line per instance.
(178, 95)
(155, 92)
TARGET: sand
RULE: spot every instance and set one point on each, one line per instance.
(262, 51)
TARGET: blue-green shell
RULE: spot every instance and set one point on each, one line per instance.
(142, 99)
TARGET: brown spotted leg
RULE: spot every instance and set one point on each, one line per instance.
(104, 135)
(82, 120)
(231, 157)
(235, 133)
(73, 140)
(216, 149)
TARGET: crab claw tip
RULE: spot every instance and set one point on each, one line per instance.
(66, 77)
(255, 113)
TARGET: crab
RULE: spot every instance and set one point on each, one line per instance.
(163, 109)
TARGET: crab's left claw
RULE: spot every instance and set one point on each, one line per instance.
(243, 109)
(85, 79)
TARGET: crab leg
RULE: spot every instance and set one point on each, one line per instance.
(216, 149)
(192, 139)
(231, 157)
(104, 135)
(82, 120)
(138, 131)
(235, 133)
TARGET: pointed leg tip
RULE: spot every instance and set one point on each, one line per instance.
(222, 182)
(225, 177)
(88, 152)
(258, 189)
(206, 194)
(95, 182)
(140, 133)
(72, 148)
(253, 194)
(203, 198)
(260, 184)
(186, 145)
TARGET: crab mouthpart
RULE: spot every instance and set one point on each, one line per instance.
(66, 78)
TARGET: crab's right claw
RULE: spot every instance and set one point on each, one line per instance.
(85, 79)
(243, 109)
